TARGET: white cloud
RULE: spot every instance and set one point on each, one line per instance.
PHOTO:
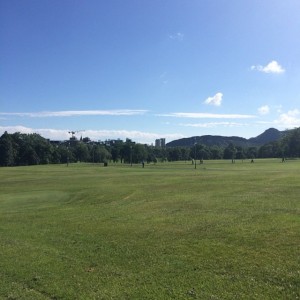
(216, 100)
(207, 116)
(291, 119)
(76, 113)
(264, 110)
(279, 108)
(272, 67)
(53, 134)
(95, 135)
(177, 36)
(288, 120)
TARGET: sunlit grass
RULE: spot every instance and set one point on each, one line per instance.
(168, 231)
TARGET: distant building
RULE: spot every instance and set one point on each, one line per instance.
(56, 143)
(160, 143)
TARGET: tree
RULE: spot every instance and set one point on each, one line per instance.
(202, 152)
(270, 150)
(56, 156)
(252, 152)
(42, 147)
(293, 142)
(185, 153)
(81, 152)
(65, 154)
(116, 150)
(230, 152)
(139, 153)
(240, 153)
(101, 154)
(29, 155)
(7, 152)
(161, 154)
(216, 152)
(126, 151)
(174, 154)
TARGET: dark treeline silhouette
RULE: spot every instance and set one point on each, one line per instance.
(31, 149)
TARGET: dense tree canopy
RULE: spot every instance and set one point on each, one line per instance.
(32, 149)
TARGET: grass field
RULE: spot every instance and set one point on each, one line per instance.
(168, 231)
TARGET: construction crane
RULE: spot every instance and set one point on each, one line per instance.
(73, 133)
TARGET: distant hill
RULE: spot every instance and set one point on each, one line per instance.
(270, 135)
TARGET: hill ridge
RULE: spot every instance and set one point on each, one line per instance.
(269, 135)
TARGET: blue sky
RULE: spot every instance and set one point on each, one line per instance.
(149, 69)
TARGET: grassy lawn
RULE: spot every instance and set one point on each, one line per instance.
(168, 231)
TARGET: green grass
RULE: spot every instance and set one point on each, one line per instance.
(168, 231)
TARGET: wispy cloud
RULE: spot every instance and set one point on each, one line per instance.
(76, 113)
(215, 100)
(163, 77)
(95, 135)
(215, 124)
(272, 67)
(264, 110)
(177, 36)
(206, 116)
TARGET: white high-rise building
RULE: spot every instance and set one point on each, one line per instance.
(160, 143)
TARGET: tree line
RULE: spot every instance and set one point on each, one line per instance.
(32, 149)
